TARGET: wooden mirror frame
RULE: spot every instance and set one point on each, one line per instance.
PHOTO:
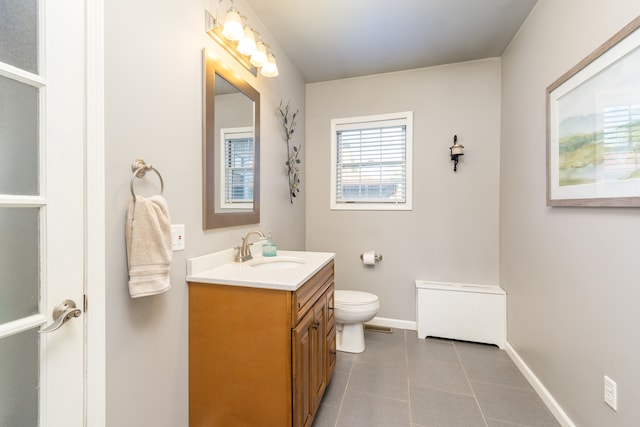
(211, 218)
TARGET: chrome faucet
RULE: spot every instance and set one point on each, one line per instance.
(244, 253)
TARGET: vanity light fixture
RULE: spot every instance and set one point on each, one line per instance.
(456, 151)
(241, 41)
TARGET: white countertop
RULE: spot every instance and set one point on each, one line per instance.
(218, 268)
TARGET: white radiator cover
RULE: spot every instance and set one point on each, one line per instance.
(461, 311)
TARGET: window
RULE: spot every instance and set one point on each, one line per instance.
(237, 159)
(371, 162)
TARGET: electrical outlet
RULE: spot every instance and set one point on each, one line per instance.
(611, 393)
(177, 237)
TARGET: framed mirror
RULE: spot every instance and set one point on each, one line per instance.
(231, 148)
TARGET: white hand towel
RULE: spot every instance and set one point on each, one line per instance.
(148, 236)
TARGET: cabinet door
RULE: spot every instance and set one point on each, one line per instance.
(331, 353)
(302, 349)
(331, 336)
(330, 307)
(319, 351)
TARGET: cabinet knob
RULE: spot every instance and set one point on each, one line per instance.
(316, 325)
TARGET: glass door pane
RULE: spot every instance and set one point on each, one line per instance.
(19, 380)
(19, 36)
(19, 263)
(19, 124)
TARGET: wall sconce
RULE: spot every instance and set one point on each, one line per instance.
(241, 41)
(456, 151)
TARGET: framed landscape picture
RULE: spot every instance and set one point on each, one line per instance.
(593, 127)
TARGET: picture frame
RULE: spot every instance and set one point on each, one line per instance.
(593, 127)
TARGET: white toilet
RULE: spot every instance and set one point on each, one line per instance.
(352, 309)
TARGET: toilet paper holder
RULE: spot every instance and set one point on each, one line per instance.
(376, 257)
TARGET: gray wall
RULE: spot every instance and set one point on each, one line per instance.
(570, 273)
(153, 111)
(452, 232)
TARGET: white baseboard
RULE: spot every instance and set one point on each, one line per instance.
(392, 323)
(542, 391)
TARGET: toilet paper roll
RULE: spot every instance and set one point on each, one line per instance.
(369, 258)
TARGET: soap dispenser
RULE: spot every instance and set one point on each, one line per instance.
(269, 248)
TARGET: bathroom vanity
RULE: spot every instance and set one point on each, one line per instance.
(261, 340)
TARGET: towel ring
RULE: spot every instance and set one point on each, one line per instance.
(140, 168)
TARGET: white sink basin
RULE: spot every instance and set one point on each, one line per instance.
(277, 263)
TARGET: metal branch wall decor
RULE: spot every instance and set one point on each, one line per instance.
(293, 151)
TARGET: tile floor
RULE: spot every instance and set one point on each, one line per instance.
(403, 381)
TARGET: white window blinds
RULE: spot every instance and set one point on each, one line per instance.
(371, 161)
(238, 167)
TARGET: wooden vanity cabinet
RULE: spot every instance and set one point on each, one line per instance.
(310, 361)
(260, 357)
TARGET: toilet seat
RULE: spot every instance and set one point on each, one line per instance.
(354, 298)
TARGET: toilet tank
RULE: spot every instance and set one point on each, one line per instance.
(461, 311)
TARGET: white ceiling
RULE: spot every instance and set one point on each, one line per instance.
(336, 39)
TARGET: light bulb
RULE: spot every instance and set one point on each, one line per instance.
(259, 57)
(270, 68)
(247, 44)
(232, 29)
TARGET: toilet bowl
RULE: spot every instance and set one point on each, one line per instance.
(351, 310)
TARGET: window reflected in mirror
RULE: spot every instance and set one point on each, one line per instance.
(237, 157)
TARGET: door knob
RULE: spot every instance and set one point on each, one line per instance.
(63, 311)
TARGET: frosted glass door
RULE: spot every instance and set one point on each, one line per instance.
(20, 212)
(35, 192)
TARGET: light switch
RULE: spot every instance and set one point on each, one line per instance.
(177, 237)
